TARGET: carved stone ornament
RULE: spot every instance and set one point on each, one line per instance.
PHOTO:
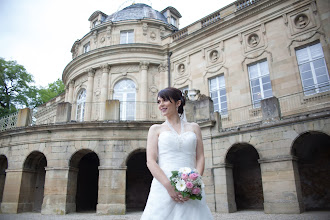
(301, 21)
(153, 36)
(214, 56)
(109, 32)
(181, 69)
(144, 65)
(91, 72)
(253, 40)
(162, 31)
(162, 67)
(145, 28)
(102, 39)
(105, 68)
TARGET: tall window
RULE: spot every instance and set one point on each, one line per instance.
(218, 94)
(313, 70)
(124, 91)
(87, 47)
(127, 37)
(81, 100)
(261, 87)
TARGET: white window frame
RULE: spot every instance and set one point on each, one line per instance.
(316, 87)
(122, 94)
(87, 47)
(81, 100)
(127, 37)
(259, 78)
(221, 98)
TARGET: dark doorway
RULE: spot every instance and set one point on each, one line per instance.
(3, 168)
(33, 183)
(313, 152)
(138, 182)
(87, 183)
(247, 176)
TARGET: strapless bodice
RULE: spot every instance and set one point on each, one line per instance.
(176, 151)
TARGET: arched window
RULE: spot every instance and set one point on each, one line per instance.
(125, 91)
(81, 100)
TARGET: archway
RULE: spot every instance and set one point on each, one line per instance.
(33, 182)
(313, 152)
(246, 176)
(138, 181)
(3, 167)
(87, 163)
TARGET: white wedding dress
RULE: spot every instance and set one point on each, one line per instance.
(174, 151)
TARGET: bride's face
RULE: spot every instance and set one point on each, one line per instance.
(166, 107)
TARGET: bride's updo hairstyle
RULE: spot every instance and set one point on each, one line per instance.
(174, 94)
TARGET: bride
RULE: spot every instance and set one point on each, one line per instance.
(170, 146)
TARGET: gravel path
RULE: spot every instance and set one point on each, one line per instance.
(241, 215)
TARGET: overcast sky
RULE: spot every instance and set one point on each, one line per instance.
(39, 34)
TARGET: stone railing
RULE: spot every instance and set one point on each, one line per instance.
(241, 4)
(210, 19)
(8, 121)
(180, 34)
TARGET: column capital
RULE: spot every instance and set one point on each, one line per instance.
(91, 72)
(105, 68)
(144, 65)
(71, 83)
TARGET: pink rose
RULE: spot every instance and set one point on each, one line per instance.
(196, 191)
(184, 176)
(193, 176)
(189, 185)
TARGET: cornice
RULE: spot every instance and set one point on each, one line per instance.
(113, 50)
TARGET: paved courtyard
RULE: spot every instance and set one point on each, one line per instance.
(241, 215)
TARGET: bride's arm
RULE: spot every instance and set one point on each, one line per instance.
(156, 171)
(200, 159)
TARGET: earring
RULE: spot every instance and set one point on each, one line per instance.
(177, 108)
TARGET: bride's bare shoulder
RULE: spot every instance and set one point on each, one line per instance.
(156, 128)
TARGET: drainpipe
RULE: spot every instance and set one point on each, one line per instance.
(169, 54)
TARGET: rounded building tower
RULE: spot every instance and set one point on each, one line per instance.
(122, 58)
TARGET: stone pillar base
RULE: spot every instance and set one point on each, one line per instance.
(8, 207)
(51, 209)
(111, 209)
(283, 208)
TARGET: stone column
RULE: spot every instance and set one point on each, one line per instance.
(224, 188)
(70, 95)
(60, 190)
(104, 89)
(112, 191)
(12, 190)
(89, 95)
(143, 106)
(281, 185)
(24, 117)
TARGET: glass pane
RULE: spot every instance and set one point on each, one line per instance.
(253, 71)
(221, 81)
(308, 82)
(318, 63)
(305, 67)
(214, 94)
(255, 82)
(256, 89)
(216, 108)
(265, 79)
(222, 92)
(223, 98)
(306, 75)
(268, 94)
(321, 72)
(213, 84)
(322, 79)
(264, 68)
(256, 96)
(224, 105)
(267, 86)
(325, 87)
(302, 55)
(316, 51)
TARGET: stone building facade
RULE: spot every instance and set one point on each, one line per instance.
(257, 76)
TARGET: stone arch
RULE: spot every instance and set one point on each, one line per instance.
(33, 182)
(83, 179)
(312, 150)
(3, 168)
(138, 180)
(246, 176)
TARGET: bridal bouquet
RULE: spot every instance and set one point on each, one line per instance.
(188, 182)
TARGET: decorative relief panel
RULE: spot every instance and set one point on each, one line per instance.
(181, 72)
(214, 54)
(125, 69)
(254, 40)
(300, 21)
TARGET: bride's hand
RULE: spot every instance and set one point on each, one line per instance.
(176, 196)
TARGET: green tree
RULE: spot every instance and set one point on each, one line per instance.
(16, 87)
(52, 90)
